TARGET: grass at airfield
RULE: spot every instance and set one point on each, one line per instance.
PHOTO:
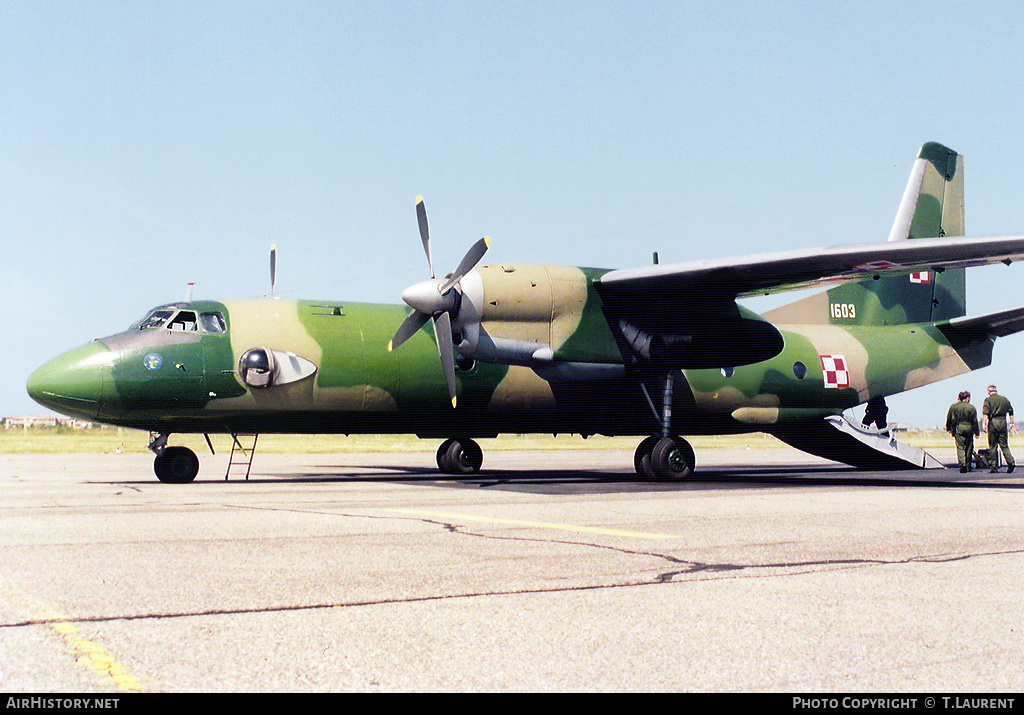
(100, 440)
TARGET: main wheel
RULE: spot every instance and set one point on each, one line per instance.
(672, 458)
(442, 456)
(459, 456)
(177, 465)
(642, 458)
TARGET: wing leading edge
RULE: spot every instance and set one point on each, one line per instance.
(769, 273)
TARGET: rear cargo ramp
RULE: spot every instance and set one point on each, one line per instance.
(840, 440)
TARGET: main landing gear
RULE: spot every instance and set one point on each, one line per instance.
(665, 456)
(459, 456)
(668, 457)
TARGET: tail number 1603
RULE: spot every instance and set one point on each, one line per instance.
(843, 310)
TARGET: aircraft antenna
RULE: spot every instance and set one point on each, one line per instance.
(273, 268)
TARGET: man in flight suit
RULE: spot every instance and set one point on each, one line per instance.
(997, 420)
(875, 412)
(962, 423)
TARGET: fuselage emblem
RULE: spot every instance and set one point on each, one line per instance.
(153, 361)
(835, 371)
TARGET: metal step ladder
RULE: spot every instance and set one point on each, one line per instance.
(245, 455)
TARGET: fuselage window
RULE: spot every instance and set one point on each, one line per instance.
(185, 320)
(213, 322)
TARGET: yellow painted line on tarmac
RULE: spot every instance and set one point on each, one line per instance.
(540, 524)
(95, 657)
(87, 653)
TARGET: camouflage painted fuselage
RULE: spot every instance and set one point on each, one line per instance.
(540, 355)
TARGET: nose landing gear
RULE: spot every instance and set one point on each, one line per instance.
(173, 465)
(177, 465)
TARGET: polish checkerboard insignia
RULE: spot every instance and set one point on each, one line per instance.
(875, 266)
(921, 277)
(834, 371)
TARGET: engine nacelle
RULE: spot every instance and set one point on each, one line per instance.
(519, 313)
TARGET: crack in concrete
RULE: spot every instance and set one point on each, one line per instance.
(695, 567)
(690, 568)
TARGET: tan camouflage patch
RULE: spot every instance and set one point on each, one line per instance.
(522, 388)
(834, 340)
(949, 365)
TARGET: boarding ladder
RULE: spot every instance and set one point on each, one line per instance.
(241, 455)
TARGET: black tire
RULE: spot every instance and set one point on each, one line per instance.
(442, 456)
(462, 456)
(672, 458)
(177, 465)
(642, 458)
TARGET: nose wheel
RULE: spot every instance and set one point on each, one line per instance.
(668, 457)
(176, 465)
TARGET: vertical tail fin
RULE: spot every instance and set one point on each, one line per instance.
(932, 206)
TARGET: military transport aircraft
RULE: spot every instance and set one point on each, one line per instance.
(657, 352)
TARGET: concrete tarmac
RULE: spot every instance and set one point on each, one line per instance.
(768, 571)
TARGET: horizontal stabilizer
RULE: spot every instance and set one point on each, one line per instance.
(840, 440)
(998, 324)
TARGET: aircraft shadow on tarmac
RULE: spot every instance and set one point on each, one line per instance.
(725, 477)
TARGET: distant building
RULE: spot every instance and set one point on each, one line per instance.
(30, 421)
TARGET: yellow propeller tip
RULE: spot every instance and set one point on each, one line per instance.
(273, 247)
(390, 345)
(453, 402)
(419, 199)
(487, 240)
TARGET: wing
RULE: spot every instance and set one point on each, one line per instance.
(769, 273)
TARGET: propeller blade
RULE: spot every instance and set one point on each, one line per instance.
(408, 328)
(273, 268)
(443, 332)
(421, 217)
(469, 261)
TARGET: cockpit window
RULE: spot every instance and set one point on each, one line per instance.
(184, 321)
(155, 319)
(177, 317)
(213, 322)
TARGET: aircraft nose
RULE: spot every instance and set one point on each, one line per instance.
(72, 383)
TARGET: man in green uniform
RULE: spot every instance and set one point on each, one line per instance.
(997, 420)
(962, 423)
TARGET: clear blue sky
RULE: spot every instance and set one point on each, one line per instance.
(144, 145)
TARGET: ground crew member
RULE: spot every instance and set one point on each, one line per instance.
(875, 412)
(962, 423)
(997, 420)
